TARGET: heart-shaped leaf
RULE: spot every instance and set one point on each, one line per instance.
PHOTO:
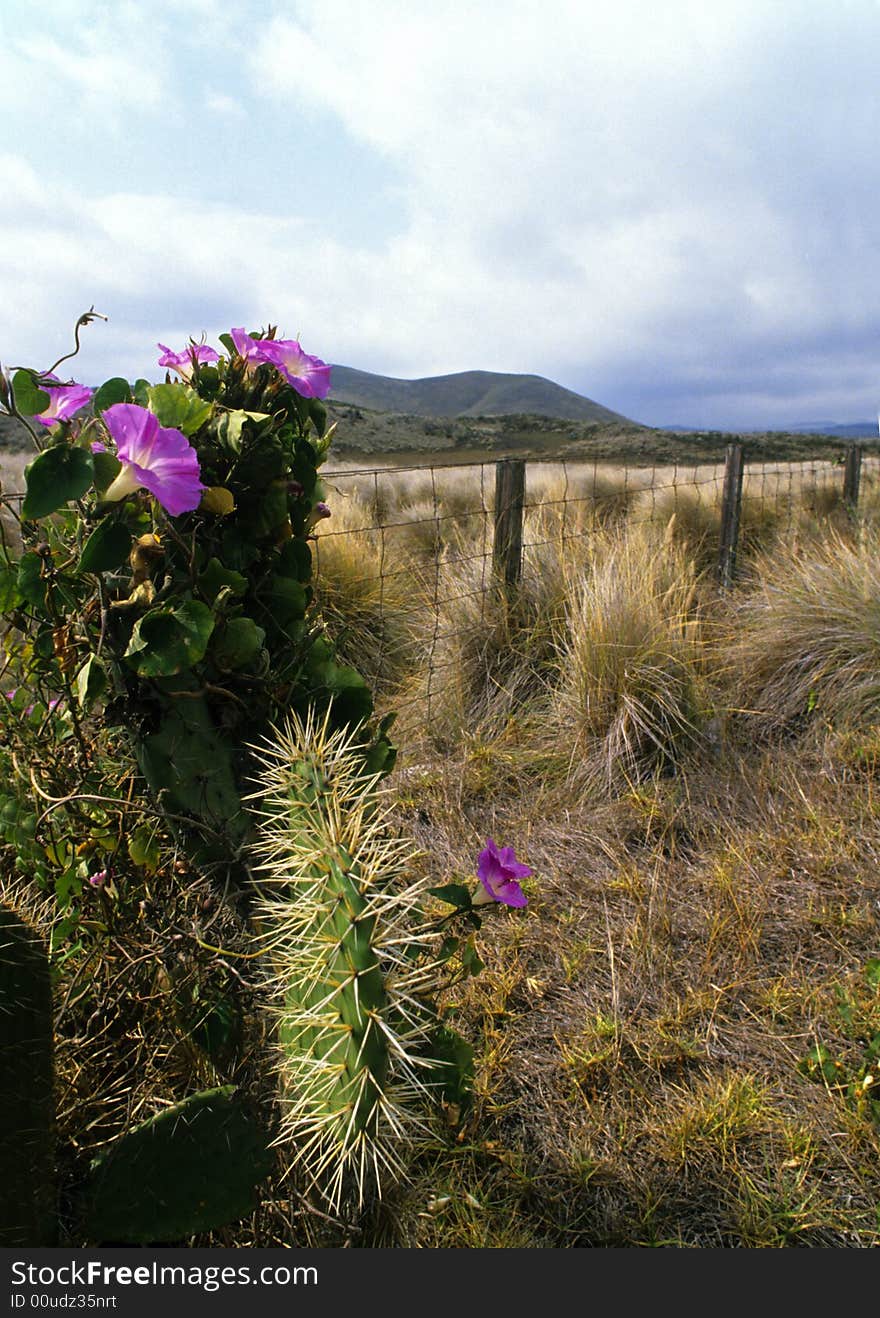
(59, 474)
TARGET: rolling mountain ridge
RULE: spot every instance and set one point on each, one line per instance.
(466, 393)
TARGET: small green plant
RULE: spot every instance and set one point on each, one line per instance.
(856, 1076)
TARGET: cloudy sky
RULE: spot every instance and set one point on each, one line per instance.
(671, 206)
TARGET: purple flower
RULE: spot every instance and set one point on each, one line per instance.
(309, 376)
(499, 872)
(249, 348)
(183, 362)
(64, 401)
(98, 880)
(156, 458)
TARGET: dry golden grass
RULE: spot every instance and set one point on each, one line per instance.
(706, 885)
(701, 894)
(805, 636)
(629, 690)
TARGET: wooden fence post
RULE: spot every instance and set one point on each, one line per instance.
(731, 502)
(852, 474)
(510, 488)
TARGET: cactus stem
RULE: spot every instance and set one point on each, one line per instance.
(350, 960)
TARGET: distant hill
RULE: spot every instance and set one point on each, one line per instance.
(367, 433)
(467, 393)
(853, 430)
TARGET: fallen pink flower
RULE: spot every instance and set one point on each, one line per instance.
(499, 871)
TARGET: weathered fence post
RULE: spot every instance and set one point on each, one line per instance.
(852, 474)
(731, 502)
(510, 488)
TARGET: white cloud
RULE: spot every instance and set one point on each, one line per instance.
(220, 103)
(650, 203)
(589, 183)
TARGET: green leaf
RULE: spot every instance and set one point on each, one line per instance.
(238, 644)
(179, 407)
(167, 641)
(295, 560)
(226, 340)
(59, 474)
(231, 425)
(31, 585)
(455, 1064)
(107, 547)
(141, 392)
(209, 381)
(352, 700)
(287, 601)
(91, 681)
(112, 391)
(107, 468)
(215, 577)
(470, 960)
(29, 398)
(10, 594)
(872, 972)
(318, 415)
(143, 847)
(271, 512)
(456, 894)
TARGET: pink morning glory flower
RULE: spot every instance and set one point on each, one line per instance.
(249, 348)
(182, 362)
(309, 376)
(64, 401)
(98, 880)
(499, 871)
(153, 457)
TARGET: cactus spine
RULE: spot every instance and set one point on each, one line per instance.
(351, 961)
(27, 1151)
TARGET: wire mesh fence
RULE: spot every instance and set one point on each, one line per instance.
(423, 571)
(427, 576)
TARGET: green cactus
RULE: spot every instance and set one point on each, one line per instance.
(352, 962)
(192, 1168)
(190, 769)
(27, 1137)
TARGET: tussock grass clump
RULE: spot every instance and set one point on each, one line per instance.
(575, 497)
(486, 654)
(806, 636)
(630, 695)
(689, 514)
(366, 603)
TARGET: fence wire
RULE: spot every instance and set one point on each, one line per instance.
(407, 573)
(406, 568)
